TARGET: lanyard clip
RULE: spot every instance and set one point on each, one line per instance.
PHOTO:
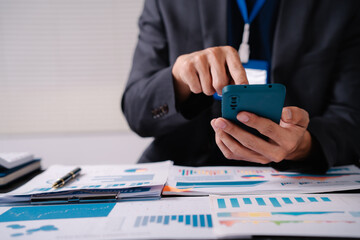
(244, 50)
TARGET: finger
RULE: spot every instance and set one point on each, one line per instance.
(189, 76)
(269, 150)
(263, 125)
(202, 67)
(217, 69)
(225, 151)
(234, 150)
(235, 67)
(296, 116)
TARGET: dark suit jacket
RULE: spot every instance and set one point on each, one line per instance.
(316, 55)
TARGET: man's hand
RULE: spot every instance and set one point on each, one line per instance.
(207, 71)
(290, 140)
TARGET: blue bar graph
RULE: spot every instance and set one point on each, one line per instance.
(274, 202)
(260, 201)
(202, 220)
(187, 219)
(209, 220)
(221, 203)
(247, 201)
(312, 199)
(195, 220)
(145, 221)
(277, 202)
(137, 222)
(234, 203)
(166, 220)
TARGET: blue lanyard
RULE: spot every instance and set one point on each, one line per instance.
(244, 49)
(244, 12)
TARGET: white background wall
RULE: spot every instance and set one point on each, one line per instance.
(64, 63)
(63, 68)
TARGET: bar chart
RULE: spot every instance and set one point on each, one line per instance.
(276, 202)
(257, 180)
(190, 220)
(284, 214)
(193, 172)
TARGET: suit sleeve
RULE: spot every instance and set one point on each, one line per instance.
(148, 101)
(336, 133)
(338, 130)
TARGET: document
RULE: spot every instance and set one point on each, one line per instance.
(168, 218)
(257, 180)
(95, 183)
(316, 215)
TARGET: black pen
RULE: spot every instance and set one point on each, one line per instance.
(71, 175)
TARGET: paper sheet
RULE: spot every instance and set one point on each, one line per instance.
(168, 218)
(257, 180)
(331, 215)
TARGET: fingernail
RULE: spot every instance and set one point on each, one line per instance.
(243, 118)
(220, 124)
(212, 123)
(288, 114)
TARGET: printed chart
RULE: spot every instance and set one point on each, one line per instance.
(276, 202)
(131, 181)
(15, 214)
(298, 215)
(99, 177)
(162, 219)
(257, 180)
(194, 220)
(190, 172)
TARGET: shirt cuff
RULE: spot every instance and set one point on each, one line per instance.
(314, 163)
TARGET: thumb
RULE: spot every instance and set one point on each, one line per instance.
(296, 116)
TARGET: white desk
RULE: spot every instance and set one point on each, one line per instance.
(78, 149)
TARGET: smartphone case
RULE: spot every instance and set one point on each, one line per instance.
(265, 100)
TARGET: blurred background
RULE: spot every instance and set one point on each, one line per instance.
(63, 68)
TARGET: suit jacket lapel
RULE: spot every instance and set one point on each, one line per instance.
(290, 33)
(213, 16)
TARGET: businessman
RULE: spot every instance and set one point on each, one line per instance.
(188, 50)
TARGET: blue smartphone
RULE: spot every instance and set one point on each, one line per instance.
(265, 100)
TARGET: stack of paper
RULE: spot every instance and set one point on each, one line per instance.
(257, 180)
(95, 183)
